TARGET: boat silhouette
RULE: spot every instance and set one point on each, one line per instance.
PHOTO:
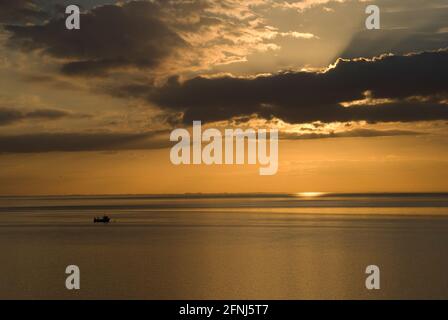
(103, 219)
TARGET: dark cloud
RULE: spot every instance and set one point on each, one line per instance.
(307, 96)
(72, 142)
(57, 83)
(10, 115)
(355, 133)
(20, 11)
(90, 142)
(111, 36)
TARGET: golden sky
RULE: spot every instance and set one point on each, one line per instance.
(89, 111)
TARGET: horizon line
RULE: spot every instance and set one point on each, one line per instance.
(303, 194)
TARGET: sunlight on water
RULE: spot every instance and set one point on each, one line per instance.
(225, 246)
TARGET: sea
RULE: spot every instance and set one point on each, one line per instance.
(225, 246)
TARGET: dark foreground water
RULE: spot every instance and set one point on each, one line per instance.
(225, 247)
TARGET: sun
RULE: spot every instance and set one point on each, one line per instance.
(309, 194)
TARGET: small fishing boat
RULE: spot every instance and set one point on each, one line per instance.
(103, 219)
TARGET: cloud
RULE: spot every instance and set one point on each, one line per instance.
(162, 37)
(20, 11)
(355, 133)
(108, 141)
(77, 142)
(111, 36)
(298, 35)
(305, 4)
(11, 115)
(298, 97)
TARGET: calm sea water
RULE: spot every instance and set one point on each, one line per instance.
(225, 246)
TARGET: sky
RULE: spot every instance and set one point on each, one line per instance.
(90, 111)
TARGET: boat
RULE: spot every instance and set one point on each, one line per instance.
(103, 219)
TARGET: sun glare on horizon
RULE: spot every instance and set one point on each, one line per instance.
(310, 194)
